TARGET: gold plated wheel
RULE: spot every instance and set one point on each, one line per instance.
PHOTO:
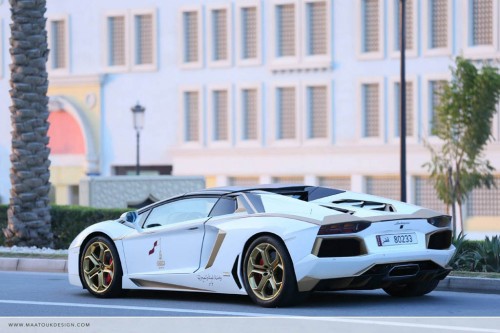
(98, 267)
(265, 271)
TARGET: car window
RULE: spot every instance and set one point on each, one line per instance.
(179, 211)
(229, 205)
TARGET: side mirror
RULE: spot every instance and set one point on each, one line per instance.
(130, 217)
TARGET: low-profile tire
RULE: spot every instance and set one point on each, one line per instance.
(413, 289)
(100, 268)
(268, 274)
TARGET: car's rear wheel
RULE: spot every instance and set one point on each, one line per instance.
(100, 268)
(268, 273)
(413, 289)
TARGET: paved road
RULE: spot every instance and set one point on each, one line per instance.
(50, 294)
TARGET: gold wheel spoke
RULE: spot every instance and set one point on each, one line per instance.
(98, 266)
(93, 271)
(273, 283)
(100, 278)
(265, 271)
(254, 265)
(262, 284)
(266, 257)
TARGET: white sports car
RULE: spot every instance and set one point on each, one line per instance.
(275, 243)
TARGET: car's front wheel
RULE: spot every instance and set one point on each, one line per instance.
(100, 268)
(414, 289)
(268, 273)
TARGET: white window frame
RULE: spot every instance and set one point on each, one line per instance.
(305, 114)
(195, 64)
(394, 33)
(182, 118)
(359, 33)
(392, 138)
(482, 51)
(316, 60)
(427, 31)
(273, 121)
(211, 142)
(107, 42)
(359, 121)
(275, 62)
(240, 5)
(154, 48)
(496, 126)
(425, 129)
(239, 115)
(210, 33)
(1, 49)
(50, 19)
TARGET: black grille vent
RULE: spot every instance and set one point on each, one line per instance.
(440, 240)
(340, 247)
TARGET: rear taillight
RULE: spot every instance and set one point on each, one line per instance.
(440, 221)
(343, 228)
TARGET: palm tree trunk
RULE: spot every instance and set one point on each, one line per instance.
(28, 213)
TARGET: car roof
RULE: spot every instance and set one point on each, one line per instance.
(313, 192)
(302, 192)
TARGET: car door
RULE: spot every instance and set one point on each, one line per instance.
(170, 238)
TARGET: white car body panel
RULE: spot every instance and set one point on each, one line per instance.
(200, 255)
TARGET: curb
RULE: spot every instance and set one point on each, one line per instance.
(450, 283)
(34, 265)
(470, 285)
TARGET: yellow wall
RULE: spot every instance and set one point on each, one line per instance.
(87, 98)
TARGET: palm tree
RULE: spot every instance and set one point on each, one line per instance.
(28, 214)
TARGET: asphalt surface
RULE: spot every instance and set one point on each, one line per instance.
(50, 294)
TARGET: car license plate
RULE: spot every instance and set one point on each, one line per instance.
(397, 239)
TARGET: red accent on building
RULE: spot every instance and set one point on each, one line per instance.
(66, 136)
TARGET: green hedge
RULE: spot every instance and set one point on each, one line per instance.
(68, 221)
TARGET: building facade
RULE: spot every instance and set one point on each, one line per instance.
(250, 91)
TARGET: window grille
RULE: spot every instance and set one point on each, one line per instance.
(243, 181)
(409, 108)
(219, 17)
(249, 110)
(317, 111)
(343, 183)
(436, 88)
(191, 105)
(190, 36)
(316, 28)
(439, 23)
(249, 32)
(409, 17)
(426, 196)
(388, 187)
(286, 113)
(371, 110)
(370, 25)
(484, 201)
(220, 115)
(286, 30)
(144, 39)
(482, 22)
(58, 44)
(116, 36)
(288, 180)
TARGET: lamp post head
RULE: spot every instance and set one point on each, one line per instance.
(138, 113)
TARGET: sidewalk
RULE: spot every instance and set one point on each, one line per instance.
(451, 283)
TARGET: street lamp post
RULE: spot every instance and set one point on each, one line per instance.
(402, 117)
(138, 113)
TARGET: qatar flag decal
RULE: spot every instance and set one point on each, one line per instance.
(153, 249)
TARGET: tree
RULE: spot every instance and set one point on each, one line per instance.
(463, 122)
(28, 213)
